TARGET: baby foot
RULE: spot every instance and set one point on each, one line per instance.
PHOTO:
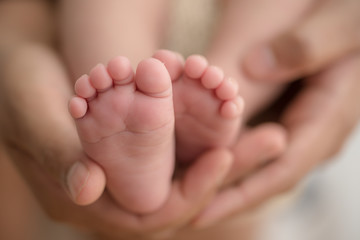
(125, 122)
(207, 105)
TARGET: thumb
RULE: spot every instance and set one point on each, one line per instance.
(325, 35)
(36, 127)
(84, 181)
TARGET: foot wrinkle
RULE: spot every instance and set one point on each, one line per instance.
(105, 89)
(165, 94)
(148, 131)
(93, 97)
(126, 81)
(118, 85)
(127, 131)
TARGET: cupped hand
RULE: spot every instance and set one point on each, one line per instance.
(318, 122)
(104, 217)
(41, 139)
(323, 48)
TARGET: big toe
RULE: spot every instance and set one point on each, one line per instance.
(173, 62)
(152, 78)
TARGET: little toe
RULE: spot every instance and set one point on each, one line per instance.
(120, 70)
(83, 87)
(212, 78)
(77, 107)
(100, 78)
(152, 78)
(228, 89)
(195, 66)
(173, 62)
(232, 108)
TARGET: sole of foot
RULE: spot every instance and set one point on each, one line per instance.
(207, 105)
(125, 121)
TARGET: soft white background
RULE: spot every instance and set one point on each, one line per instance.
(329, 208)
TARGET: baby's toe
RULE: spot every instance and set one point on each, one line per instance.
(100, 78)
(195, 66)
(212, 78)
(172, 61)
(232, 108)
(83, 87)
(152, 78)
(77, 107)
(120, 70)
(228, 89)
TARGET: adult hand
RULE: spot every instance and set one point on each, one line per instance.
(329, 32)
(321, 116)
(318, 122)
(40, 137)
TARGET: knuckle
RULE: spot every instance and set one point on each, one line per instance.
(287, 178)
(290, 50)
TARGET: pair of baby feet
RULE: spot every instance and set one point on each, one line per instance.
(131, 123)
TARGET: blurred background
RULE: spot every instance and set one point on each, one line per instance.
(328, 208)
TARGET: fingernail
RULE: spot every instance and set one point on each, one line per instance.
(76, 179)
(260, 62)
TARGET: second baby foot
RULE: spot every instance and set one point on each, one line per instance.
(125, 122)
(207, 105)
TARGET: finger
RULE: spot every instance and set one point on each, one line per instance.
(313, 138)
(244, 20)
(243, 24)
(193, 192)
(40, 127)
(85, 182)
(255, 148)
(188, 195)
(329, 33)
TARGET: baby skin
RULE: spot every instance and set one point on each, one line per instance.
(126, 121)
(206, 104)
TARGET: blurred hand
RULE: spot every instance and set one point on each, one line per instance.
(324, 45)
(104, 217)
(327, 33)
(318, 123)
